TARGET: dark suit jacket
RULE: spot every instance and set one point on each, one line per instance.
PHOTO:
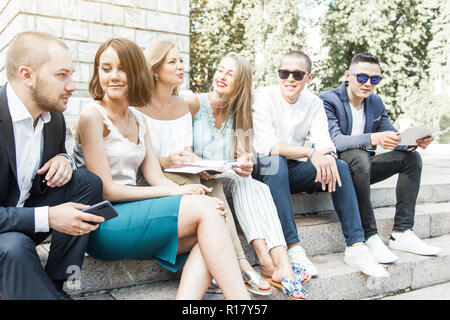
(11, 217)
(340, 122)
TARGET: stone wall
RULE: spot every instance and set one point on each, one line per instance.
(85, 24)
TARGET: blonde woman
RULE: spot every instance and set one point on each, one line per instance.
(222, 129)
(172, 225)
(170, 122)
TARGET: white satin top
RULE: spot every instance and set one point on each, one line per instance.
(124, 156)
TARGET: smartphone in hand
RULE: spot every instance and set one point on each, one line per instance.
(104, 209)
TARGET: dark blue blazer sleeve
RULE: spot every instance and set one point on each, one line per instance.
(338, 124)
(17, 219)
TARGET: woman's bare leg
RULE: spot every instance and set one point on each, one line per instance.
(282, 264)
(195, 278)
(265, 260)
(198, 216)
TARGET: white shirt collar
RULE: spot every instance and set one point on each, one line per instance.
(18, 110)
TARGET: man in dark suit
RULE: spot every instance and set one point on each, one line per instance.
(40, 192)
(358, 123)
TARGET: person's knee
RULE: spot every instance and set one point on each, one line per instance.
(358, 162)
(273, 167)
(15, 247)
(200, 207)
(414, 159)
(89, 183)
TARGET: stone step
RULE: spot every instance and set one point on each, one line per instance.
(336, 280)
(431, 220)
(382, 195)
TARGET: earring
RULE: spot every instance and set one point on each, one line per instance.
(156, 78)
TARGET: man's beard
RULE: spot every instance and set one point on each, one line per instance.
(43, 102)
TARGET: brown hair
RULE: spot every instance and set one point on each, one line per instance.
(30, 48)
(155, 54)
(239, 104)
(133, 62)
(301, 55)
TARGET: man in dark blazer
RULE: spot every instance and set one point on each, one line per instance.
(358, 123)
(40, 192)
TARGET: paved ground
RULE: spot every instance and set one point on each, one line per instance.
(436, 292)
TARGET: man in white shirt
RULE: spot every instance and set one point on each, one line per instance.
(358, 123)
(284, 116)
(40, 192)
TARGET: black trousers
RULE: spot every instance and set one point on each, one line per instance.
(367, 169)
(21, 273)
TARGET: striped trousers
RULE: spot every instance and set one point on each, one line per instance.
(254, 208)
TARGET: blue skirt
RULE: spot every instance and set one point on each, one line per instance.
(144, 230)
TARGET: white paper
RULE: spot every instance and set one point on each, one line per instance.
(412, 134)
(212, 166)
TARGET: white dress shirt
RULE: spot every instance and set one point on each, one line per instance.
(275, 120)
(358, 120)
(29, 143)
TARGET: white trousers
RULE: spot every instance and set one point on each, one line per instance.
(254, 208)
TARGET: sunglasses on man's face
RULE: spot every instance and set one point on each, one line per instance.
(362, 78)
(284, 74)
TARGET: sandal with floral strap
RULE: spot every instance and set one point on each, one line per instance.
(289, 287)
(300, 272)
(251, 280)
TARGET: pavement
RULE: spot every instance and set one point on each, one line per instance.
(436, 292)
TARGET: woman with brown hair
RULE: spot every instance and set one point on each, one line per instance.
(170, 121)
(173, 225)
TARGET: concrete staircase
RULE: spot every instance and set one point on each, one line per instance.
(321, 236)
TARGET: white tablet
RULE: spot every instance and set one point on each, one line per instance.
(412, 134)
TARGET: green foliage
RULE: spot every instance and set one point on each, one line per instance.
(409, 36)
(429, 105)
(444, 124)
(396, 31)
(260, 30)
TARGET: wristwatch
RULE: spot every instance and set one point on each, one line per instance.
(334, 154)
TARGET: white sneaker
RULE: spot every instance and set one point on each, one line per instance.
(298, 255)
(409, 242)
(359, 257)
(379, 250)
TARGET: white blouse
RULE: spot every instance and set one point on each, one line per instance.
(124, 157)
(169, 136)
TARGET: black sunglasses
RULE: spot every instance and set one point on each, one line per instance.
(362, 78)
(284, 74)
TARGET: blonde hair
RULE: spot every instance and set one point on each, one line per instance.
(239, 104)
(31, 49)
(155, 54)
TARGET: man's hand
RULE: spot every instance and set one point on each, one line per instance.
(244, 166)
(327, 172)
(59, 171)
(424, 142)
(68, 218)
(387, 139)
